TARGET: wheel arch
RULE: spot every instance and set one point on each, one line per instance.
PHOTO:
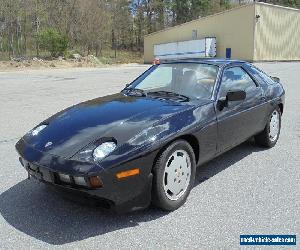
(193, 141)
(190, 139)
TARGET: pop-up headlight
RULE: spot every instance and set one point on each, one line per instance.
(95, 152)
(37, 130)
(103, 150)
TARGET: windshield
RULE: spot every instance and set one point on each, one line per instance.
(192, 80)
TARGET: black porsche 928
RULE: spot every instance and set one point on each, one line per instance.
(143, 145)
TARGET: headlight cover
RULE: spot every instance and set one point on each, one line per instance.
(94, 152)
(103, 150)
(37, 130)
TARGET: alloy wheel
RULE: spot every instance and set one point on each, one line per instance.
(274, 126)
(177, 174)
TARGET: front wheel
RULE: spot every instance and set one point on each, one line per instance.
(174, 175)
(269, 136)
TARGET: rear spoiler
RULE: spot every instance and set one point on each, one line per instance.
(276, 79)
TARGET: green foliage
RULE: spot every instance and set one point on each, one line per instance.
(181, 10)
(53, 41)
(36, 27)
(289, 3)
(123, 56)
(200, 8)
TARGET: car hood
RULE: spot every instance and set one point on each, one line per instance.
(119, 116)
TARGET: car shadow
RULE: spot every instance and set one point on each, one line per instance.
(34, 209)
(222, 162)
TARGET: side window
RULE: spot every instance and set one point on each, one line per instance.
(236, 78)
(267, 79)
(199, 80)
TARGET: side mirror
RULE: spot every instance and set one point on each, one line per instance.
(127, 85)
(276, 79)
(231, 96)
(238, 95)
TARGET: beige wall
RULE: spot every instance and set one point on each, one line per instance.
(233, 29)
(277, 33)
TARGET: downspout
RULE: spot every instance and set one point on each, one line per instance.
(254, 34)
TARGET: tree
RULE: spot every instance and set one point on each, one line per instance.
(181, 10)
(53, 41)
(289, 3)
(93, 25)
(200, 8)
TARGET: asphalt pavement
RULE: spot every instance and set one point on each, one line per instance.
(248, 190)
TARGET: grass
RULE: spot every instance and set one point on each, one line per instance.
(123, 56)
(107, 56)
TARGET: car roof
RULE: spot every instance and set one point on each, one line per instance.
(215, 61)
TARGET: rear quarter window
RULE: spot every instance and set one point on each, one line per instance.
(262, 75)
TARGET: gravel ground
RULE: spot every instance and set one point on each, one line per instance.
(245, 191)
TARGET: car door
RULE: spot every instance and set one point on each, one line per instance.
(239, 120)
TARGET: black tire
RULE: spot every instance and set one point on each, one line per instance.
(263, 139)
(159, 197)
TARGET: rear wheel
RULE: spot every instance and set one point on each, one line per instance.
(269, 136)
(174, 175)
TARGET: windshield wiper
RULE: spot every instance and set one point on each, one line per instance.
(136, 92)
(169, 94)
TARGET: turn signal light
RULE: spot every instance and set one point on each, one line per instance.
(95, 182)
(156, 61)
(128, 173)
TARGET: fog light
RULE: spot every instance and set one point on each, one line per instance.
(95, 182)
(80, 181)
(64, 178)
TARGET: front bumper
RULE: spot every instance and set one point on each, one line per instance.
(122, 195)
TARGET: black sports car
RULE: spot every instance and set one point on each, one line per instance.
(143, 144)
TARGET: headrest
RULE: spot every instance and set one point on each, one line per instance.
(190, 74)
